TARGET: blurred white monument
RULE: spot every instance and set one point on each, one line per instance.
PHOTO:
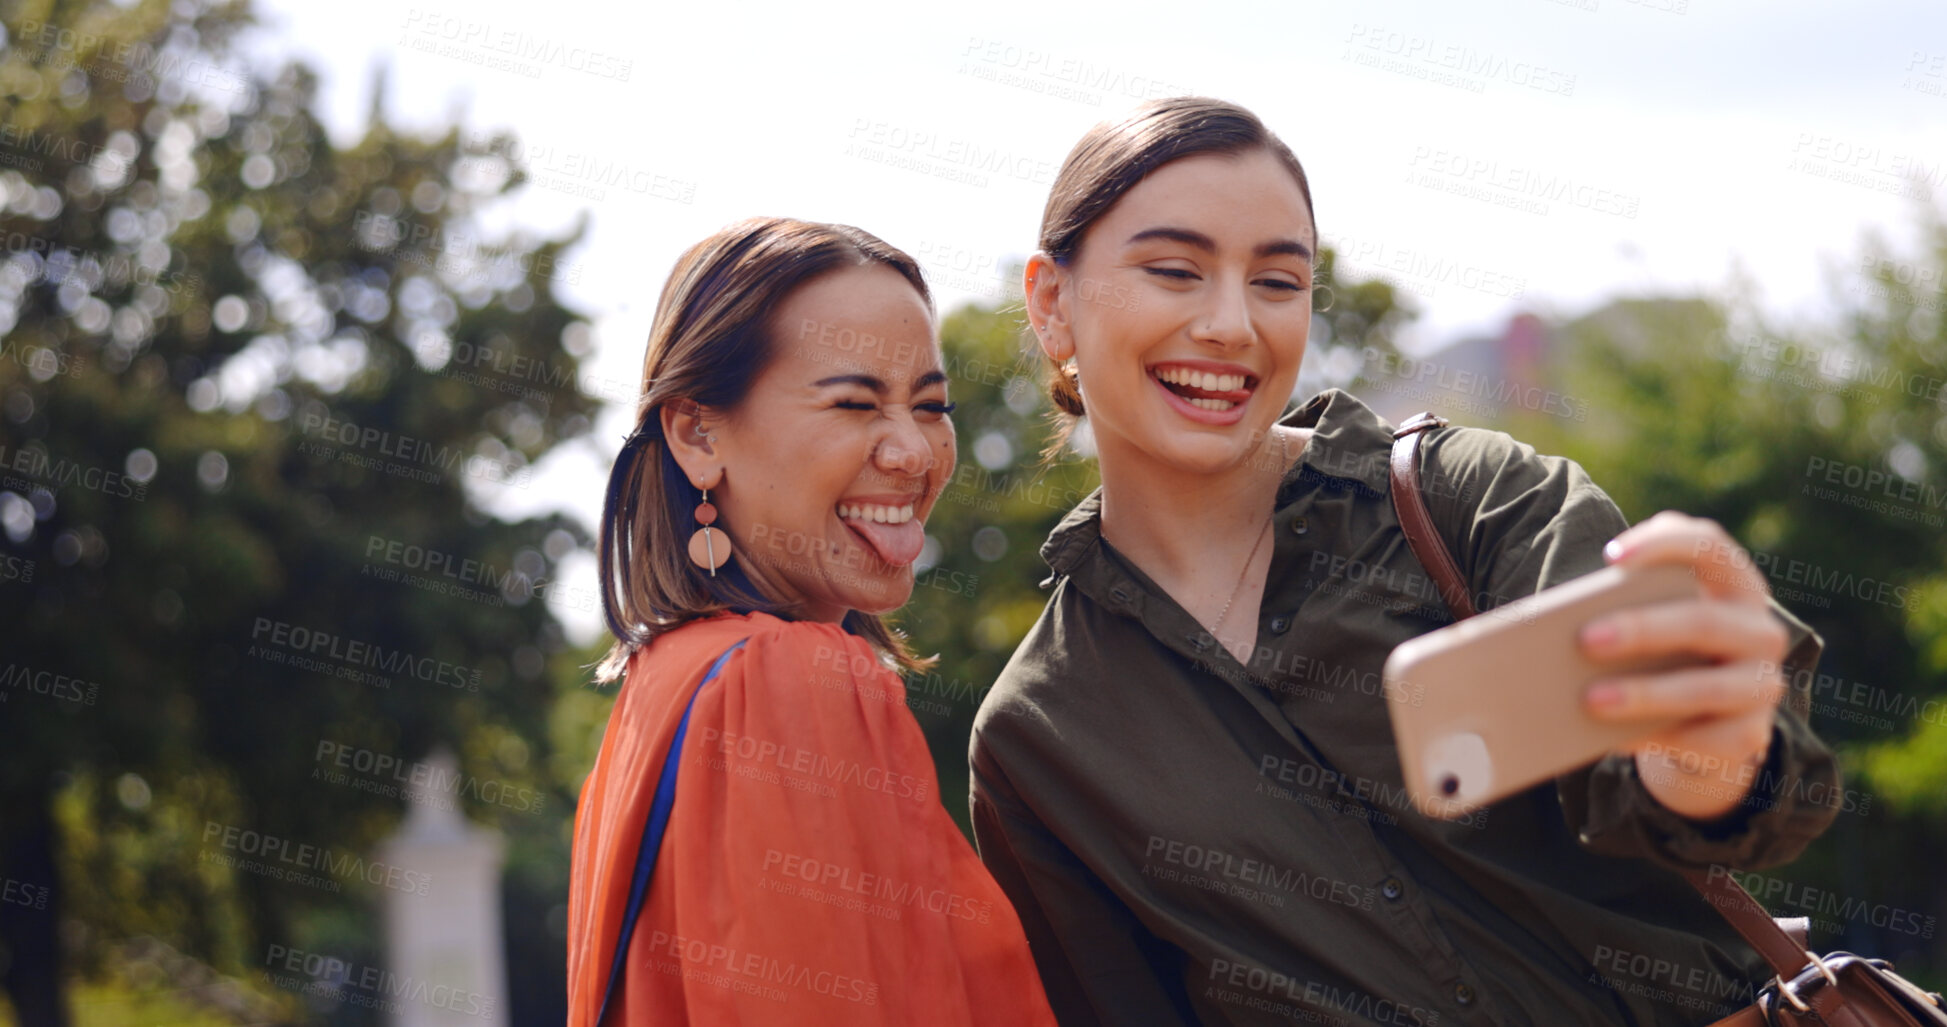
(445, 955)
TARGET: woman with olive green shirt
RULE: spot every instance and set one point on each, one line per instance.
(1185, 778)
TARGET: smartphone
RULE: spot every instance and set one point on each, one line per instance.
(1488, 707)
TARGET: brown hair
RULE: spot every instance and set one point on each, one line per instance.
(708, 343)
(1115, 155)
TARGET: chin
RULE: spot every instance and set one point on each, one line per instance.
(1204, 453)
(883, 600)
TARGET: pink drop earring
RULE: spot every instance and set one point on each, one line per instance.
(709, 547)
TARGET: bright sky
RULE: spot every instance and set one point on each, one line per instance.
(1492, 156)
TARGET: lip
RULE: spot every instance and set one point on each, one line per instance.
(1217, 418)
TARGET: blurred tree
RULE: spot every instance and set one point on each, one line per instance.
(1825, 453)
(255, 389)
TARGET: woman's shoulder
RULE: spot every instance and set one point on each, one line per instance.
(1472, 466)
(700, 644)
(1043, 671)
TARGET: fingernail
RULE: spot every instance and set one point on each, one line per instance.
(1604, 696)
(1600, 635)
(1613, 551)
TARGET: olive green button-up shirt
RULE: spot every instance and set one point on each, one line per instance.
(1190, 839)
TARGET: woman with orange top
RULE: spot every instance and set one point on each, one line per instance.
(761, 839)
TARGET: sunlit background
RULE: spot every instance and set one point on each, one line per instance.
(1490, 158)
(344, 353)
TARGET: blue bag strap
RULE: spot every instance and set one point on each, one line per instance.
(652, 836)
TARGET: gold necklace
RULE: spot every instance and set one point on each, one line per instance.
(1239, 587)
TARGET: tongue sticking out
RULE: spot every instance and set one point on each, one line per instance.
(896, 544)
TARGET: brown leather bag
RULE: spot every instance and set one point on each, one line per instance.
(1839, 989)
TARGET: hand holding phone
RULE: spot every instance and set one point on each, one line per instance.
(1498, 700)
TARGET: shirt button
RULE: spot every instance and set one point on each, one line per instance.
(1299, 525)
(1392, 888)
(1463, 993)
(1280, 624)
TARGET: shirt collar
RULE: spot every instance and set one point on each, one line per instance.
(1349, 442)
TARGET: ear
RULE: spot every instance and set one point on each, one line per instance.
(687, 433)
(1045, 284)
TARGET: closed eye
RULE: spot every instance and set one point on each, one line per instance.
(938, 408)
(852, 404)
(1177, 273)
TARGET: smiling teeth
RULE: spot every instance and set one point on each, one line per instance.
(1218, 405)
(1200, 379)
(875, 513)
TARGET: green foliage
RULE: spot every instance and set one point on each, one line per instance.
(201, 293)
(1825, 454)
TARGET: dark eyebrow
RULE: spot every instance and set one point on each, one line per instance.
(1290, 246)
(852, 379)
(932, 377)
(1208, 245)
(1182, 235)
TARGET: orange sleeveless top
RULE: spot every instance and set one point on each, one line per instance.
(808, 874)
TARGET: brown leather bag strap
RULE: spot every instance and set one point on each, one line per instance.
(1729, 898)
(1417, 523)
(1751, 920)
(1750, 1016)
